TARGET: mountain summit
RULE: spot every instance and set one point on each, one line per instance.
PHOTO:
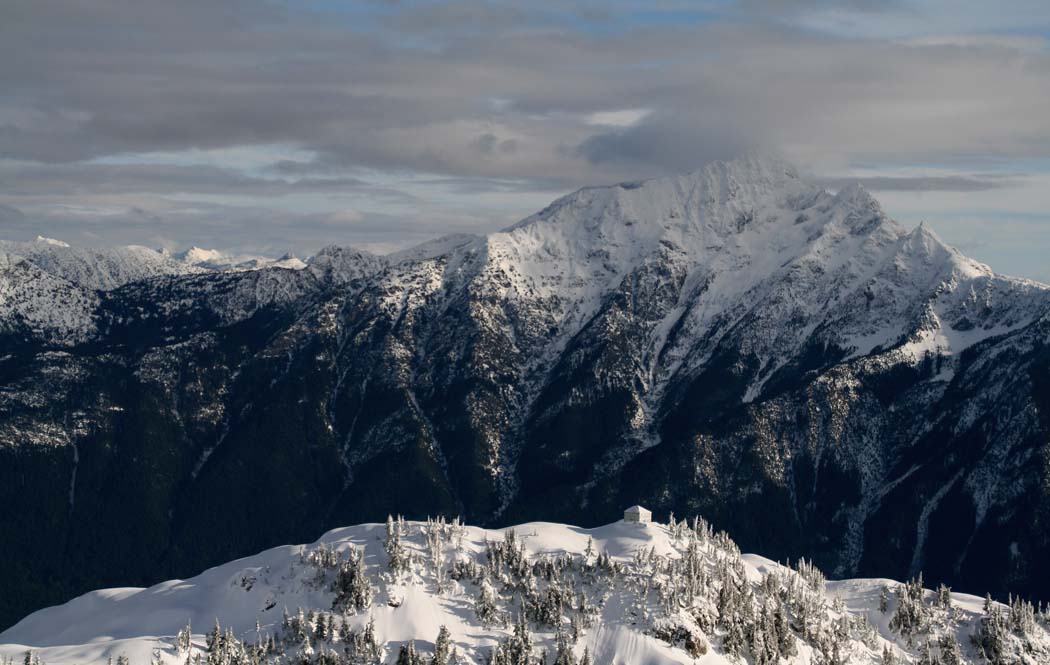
(737, 342)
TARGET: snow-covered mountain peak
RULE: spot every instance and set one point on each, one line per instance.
(922, 247)
(857, 195)
(747, 202)
(51, 241)
(695, 198)
(750, 249)
(198, 255)
(753, 170)
(753, 214)
(341, 264)
(219, 260)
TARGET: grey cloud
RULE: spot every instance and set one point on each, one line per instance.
(923, 183)
(411, 93)
(481, 185)
(293, 167)
(486, 143)
(10, 217)
(675, 143)
(489, 143)
(80, 179)
(478, 98)
(10, 212)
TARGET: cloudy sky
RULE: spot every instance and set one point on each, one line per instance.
(274, 126)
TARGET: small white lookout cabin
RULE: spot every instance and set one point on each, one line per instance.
(637, 515)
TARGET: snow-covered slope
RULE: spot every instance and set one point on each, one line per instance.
(35, 304)
(623, 593)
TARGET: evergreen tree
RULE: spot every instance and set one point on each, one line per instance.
(944, 597)
(443, 648)
(408, 655)
(926, 656)
(213, 637)
(363, 648)
(330, 629)
(353, 591)
(949, 652)
(782, 628)
(184, 639)
(911, 616)
(397, 555)
(300, 625)
(563, 654)
(888, 657)
(516, 649)
(990, 638)
(305, 654)
(485, 608)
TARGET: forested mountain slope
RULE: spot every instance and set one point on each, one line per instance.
(736, 342)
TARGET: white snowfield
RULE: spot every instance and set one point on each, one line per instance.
(632, 620)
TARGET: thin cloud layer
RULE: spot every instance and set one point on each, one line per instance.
(422, 111)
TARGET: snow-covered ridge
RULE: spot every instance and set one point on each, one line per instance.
(213, 259)
(535, 593)
(36, 302)
(96, 269)
(105, 269)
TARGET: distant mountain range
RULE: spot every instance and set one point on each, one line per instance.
(107, 269)
(736, 342)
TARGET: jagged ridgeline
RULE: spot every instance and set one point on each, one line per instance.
(438, 593)
(736, 342)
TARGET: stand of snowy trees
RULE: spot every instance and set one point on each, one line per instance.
(697, 597)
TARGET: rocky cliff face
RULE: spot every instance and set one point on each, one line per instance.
(735, 342)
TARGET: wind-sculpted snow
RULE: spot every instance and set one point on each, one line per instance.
(736, 342)
(537, 593)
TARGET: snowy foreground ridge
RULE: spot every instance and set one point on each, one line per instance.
(438, 592)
